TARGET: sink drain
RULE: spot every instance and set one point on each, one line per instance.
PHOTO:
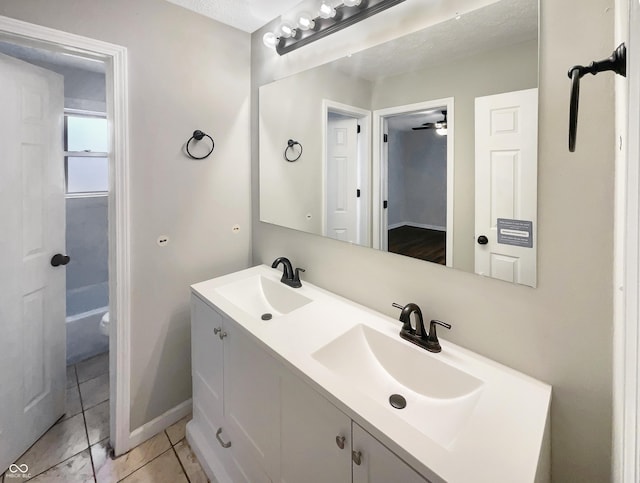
(397, 401)
(266, 317)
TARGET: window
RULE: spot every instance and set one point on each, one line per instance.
(86, 158)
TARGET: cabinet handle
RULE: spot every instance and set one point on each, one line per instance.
(340, 441)
(222, 335)
(222, 443)
(356, 456)
(217, 330)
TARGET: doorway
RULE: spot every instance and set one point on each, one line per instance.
(413, 180)
(346, 173)
(71, 166)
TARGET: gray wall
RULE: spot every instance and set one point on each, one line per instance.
(174, 88)
(87, 241)
(419, 187)
(292, 109)
(88, 246)
(559, 332)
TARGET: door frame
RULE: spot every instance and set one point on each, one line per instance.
(364, 171)
(115, 58)
(380, 174)
(626, 289)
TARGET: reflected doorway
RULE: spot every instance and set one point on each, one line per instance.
(415, 209)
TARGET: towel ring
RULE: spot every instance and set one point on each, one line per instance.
(198, 135)
(290, 144)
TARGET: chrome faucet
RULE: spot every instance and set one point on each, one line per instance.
(289, 276)
(418, 336)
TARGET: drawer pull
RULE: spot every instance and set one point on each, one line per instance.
(356, 456)
(340, 441)
(222, 443)
(222, 335)
(217, 330)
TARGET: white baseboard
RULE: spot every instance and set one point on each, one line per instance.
(162, 422)
(417, 225)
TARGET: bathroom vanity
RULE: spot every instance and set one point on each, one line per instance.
(293, 385)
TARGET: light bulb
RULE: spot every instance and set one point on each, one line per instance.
(327, 10)
(305, 21)
(270, 40)
(442, 131)
(287, 31)
(352, 3)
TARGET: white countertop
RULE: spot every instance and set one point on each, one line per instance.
(500, 442)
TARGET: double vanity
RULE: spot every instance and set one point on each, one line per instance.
(301, 385)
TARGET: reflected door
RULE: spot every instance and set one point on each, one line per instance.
(32, 222)
(342, 179)
(506, 156)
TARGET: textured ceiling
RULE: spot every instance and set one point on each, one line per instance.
(247, 15)
(502, 23)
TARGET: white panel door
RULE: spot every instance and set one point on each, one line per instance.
(376, 464)
(32, 230)
(506, 156)
(342, 179)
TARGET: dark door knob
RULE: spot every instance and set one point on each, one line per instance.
(483, 240)
(59, 259)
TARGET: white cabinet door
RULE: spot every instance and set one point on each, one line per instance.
(207, 362)
(310, 425)
(32, 224)
(377, 463)
(252, 403)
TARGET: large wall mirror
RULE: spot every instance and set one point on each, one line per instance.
(425, 146)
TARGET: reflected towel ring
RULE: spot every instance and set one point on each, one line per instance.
(290, 144)
(198, 135)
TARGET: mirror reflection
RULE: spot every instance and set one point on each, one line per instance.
(425, 146)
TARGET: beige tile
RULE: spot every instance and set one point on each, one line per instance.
(65, 439)
(176, 432)
(190, 463)
(72, 379)
(74, 406)
(94, 391)
(111, 470)
(164, 469)
(97, 419)
(92, 368)
(76, 469)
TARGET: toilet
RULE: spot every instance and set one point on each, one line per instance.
(104, 324)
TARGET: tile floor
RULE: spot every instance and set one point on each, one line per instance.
(76, 449)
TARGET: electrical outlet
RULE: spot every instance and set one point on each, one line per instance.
(235, 228)
(163, 240)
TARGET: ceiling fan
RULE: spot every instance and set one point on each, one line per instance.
(439, 126)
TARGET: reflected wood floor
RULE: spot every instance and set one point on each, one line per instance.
(429, 245)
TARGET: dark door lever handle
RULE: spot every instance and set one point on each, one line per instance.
(59, 259)
(616, 62)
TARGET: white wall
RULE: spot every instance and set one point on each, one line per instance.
(186, 72)
(559, 332)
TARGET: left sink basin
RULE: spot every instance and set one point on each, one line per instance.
(259, 295)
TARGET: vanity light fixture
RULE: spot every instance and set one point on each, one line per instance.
(306, 21)
(327, 10)
(330, 19)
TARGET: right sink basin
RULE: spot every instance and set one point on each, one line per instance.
(437, 397)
